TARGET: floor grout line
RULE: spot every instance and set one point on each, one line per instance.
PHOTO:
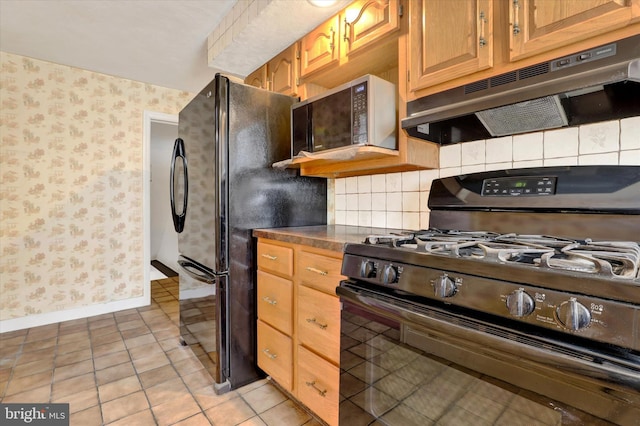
(158, 317)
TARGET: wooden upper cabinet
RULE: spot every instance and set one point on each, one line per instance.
(448, 41)
(366, 21)
(258, 78)
(282, 72)
(538, 26)
(320, 47)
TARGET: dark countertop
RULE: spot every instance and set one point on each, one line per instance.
(328, 237)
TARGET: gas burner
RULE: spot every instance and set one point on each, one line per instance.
(610, 259)
(455, 235)
(391, 240)
(518, 253)
(543, 240)
(617, 259)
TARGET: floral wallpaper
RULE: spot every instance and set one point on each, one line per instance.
(71, 167)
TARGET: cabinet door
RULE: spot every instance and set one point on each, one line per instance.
(258, 78)
(537, 26)
(319, 322)
(320, 272)
(275, 301)
(447, 42)
(275, 354)
(319, 49)
(366, 21)
(282, 72)
(276, 259)
(318, 384)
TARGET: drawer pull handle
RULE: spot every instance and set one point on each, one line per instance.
(269, 300)
(321, 392)
(270, 257)
(269, 354)
(314, 321)
(316, 271)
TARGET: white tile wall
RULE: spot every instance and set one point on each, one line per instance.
(399, 200)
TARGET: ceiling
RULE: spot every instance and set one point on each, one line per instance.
(158, 42)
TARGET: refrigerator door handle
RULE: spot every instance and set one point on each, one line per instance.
(196, 272)
(178, 218)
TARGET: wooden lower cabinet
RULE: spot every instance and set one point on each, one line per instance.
(318, 384)
(275, 258)
(299, 323)
(275, 354)
(319, 322)
(319, 271)
(275, 301)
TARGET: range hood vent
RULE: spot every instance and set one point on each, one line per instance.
(589, 86)
(528, 116)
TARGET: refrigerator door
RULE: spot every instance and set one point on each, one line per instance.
(200, 149)
(259, 196)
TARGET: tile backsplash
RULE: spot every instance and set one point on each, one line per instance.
(399, 200)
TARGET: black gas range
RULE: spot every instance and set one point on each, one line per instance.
(583, 287)
(542, 265)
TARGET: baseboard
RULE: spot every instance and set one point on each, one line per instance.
(72, 314)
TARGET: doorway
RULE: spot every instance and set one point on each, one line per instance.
(161, 240)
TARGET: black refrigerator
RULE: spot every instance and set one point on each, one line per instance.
(222, 187)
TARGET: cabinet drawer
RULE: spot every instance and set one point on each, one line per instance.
(275, 297)
(277, 259)
(318, 385)
(275, 354)
(320, 272)
(319, 322)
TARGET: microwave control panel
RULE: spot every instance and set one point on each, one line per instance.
(359, 96)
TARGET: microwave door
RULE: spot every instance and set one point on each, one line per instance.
(331, 121)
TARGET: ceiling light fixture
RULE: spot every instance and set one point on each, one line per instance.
(322, 3)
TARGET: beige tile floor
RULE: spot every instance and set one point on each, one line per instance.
(128, 368)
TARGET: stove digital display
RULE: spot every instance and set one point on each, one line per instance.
(519, 186)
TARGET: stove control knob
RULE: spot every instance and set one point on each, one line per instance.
(390, 274)
(444, 286)
(573, 315)
(367, 269)
(520, 304)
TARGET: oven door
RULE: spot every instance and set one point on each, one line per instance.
(407, 363)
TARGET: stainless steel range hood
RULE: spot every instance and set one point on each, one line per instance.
(594, 85)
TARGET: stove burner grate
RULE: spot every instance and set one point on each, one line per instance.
(609, 259)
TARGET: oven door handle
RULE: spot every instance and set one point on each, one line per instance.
(491, 338)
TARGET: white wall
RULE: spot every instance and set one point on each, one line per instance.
(164, 240)
(399, 200)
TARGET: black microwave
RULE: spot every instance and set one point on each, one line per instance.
(361, 112)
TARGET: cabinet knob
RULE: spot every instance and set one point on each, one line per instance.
(270, 257)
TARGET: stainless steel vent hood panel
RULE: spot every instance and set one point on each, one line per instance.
(593, 85)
